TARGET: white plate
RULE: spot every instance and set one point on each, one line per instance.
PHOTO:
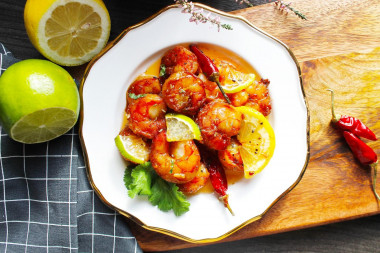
(103, 101)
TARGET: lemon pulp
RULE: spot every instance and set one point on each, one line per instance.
(68, 32)
(181, 128)
(258, 141)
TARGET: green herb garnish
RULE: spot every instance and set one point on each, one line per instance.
(143, 180)
(134, 96)
(162, 70)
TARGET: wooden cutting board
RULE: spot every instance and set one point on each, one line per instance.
(338, 47)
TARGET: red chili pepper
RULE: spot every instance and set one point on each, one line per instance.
(209, 68)
(217, 175)
(351, 124)
(364, 154)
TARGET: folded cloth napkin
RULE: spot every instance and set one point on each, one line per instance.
(46, 202)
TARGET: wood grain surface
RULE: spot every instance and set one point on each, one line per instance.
(337, 47)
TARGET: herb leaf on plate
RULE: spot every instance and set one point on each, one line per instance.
(143, 180)
(167, 196)
(138, 180)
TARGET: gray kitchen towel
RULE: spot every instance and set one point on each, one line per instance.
(46, 202)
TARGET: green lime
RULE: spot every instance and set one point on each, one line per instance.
(181, 128)
(132, 147)
(39, 101)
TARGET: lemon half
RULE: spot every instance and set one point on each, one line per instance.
(258, 141)
(67, 32)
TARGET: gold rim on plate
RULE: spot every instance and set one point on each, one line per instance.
(165, 231)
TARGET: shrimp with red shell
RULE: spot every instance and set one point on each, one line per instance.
(256, 96)
(145, 84)
(176, 162)
(180, 59)
(146, 115)
(184, 92)
(218, 122)
(198, 182)
(211, 89)
(230, 157)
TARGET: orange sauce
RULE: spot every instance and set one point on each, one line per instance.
(154, 68)
(213, 52)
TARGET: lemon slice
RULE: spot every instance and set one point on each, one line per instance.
(181, 128)
(67, 32)
(132, 147)
(233, 80)
(258, 141)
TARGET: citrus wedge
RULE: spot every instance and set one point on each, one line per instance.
(258, 141)
(67, 32)
(233, 80)
(132, 147)
(181, 128)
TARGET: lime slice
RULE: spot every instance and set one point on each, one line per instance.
(181, 128)
(233, 80)
(67, 32)
(133, 148)
(43, 125)
(39, 101)
(258, 141)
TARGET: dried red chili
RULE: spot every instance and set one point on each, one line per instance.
(351, 124)
(209, 68)
(364, 154)
(217, 175)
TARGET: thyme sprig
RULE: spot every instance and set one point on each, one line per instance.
(198, 15)
(281, 5)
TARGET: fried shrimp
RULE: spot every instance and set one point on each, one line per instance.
(198, 182)
(180, 59)
(175, 162)
(218, 121)
(230, 157)
(184, 92)
(146, 115)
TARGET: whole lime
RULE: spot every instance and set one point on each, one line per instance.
(39, 101)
